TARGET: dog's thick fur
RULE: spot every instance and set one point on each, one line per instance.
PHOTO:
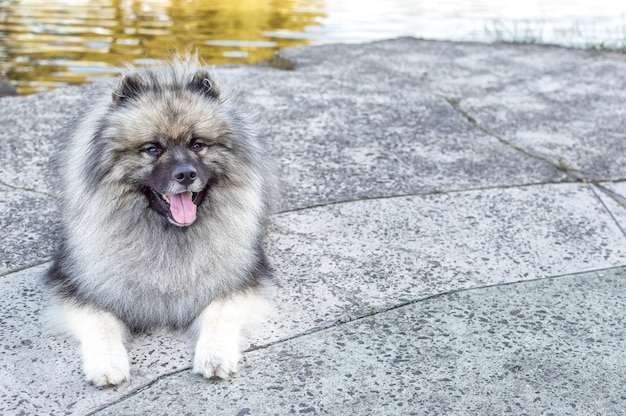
(165, 193)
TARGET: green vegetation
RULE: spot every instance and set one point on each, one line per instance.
(541, 33)
(280, 62)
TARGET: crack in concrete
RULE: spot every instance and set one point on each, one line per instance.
(571, 175)
(455, 103)
(575, 175)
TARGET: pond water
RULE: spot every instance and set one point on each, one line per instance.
(45, 44)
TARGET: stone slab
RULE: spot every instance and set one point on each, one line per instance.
(562, 104)
(553, 346)
(32, 129)
(29, 225)
(387, 251)
(340, 135)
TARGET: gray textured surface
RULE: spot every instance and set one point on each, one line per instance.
(28, 225)
(500, 350)
(564, 105)
(409, 170)
(614, 197)
(407, 248)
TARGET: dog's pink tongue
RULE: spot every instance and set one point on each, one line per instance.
(182, 208)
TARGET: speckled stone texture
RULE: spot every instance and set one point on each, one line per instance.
(411, 247)
(28, 225)
(564, 105)
(613, 195)
(530, 348)
(450, 240)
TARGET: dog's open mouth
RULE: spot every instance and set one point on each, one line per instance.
(179, 209)
(182, 208)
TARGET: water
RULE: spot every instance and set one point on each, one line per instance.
(45, 44)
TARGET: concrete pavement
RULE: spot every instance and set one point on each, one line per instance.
(450, 240)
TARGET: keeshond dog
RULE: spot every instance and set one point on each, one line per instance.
(166, 191)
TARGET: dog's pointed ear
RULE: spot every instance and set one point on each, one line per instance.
(204, 84)
(130, 87)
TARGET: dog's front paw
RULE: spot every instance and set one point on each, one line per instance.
(107, 369)
(213, 361)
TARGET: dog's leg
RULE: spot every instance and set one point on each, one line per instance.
(220, 332)
(101, 336)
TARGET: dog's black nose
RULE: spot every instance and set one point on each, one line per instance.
(185, 175)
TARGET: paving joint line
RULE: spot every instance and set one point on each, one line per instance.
(620, 199)
(613, 196)
(31, 190)
(134, 392)
(427, 193)
(21, 269)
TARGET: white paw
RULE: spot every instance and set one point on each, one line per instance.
(220, 328)
(107, 369)
(216, 362)
(101, 336)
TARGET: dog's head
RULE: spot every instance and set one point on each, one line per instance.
(169, 135)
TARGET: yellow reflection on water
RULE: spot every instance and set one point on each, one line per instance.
(45, 44)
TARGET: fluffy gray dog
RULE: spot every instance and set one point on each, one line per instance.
(166, 191)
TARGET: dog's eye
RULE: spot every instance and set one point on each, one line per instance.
(153, 150)
(197, 146)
